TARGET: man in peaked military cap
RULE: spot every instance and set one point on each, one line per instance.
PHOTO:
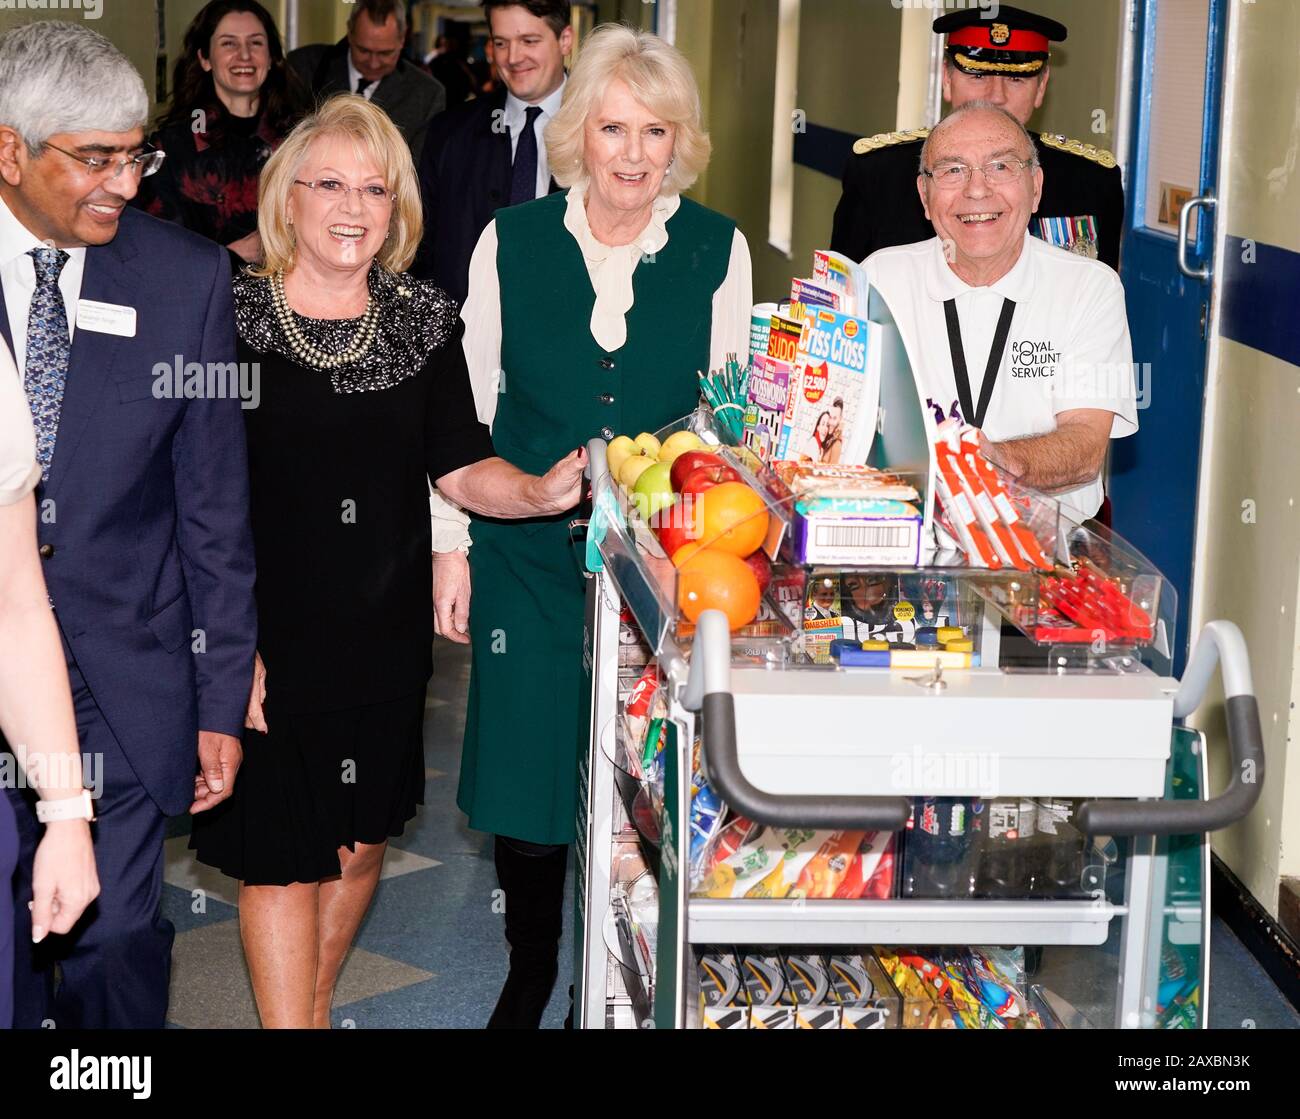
(1004, 60)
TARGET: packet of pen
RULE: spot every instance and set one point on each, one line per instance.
(960, 516)
(998, 494)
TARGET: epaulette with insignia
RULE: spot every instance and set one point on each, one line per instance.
(887, 139)
(1077, 147)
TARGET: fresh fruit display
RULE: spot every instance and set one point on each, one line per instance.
(708, 521)
(714, 580)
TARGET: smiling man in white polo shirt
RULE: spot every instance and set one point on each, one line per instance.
(1030, 341)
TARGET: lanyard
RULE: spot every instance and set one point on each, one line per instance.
(960, 375)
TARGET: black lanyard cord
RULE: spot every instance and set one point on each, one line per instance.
(959, 371)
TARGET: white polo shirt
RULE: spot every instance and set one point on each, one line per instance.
(1068, 346)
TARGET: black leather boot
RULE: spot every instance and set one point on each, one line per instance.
(532, 876)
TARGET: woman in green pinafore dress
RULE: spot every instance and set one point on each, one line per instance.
(589, 313)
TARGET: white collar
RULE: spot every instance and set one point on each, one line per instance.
(942, 283)
(355, 75)
(516, 110)
(650, 240)
(16, 240)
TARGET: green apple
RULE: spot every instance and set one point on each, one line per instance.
(648, 443)
(632, 468)
(620, 447)
(678, 443)
(653, 491)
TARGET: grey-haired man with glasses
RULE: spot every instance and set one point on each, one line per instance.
(1026, 340)
(143, 507)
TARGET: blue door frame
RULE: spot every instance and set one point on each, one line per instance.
(1154, 474)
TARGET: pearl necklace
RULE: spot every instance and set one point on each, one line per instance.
(304, 350)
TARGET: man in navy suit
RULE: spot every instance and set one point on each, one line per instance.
(143, 503)
(489, 153)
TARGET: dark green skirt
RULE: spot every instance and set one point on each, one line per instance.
(526, 718)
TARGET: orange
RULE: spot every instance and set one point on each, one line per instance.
(733, 518)
(713, 580)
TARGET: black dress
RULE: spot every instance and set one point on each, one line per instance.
(339, 465)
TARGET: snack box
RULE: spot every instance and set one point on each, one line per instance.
(771, 1006)
(858, 531)
(867, 999)
(808, 983)
(723, 1000)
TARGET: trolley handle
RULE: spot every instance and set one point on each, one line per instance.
(708, 690)
(1221, 644)
(597, 460)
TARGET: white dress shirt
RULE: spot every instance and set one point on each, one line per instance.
(1068, 346)
(354, 77)
(19, 470)
(18, 275)
(610, 269)
(515, 118)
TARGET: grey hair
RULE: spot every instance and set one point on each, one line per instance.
(976, 107)
(63, 77)
(378, 11)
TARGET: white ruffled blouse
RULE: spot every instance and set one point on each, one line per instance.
(611, 268)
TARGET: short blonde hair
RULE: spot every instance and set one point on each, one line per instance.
(370, 128)
(658, 76)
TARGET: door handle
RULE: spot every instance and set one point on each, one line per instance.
(1204, 272)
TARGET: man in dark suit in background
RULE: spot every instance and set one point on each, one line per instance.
(998, 54)
(368, 61)
(144, 531)
(489, 152)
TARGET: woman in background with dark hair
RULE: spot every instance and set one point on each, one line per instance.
(233, 101)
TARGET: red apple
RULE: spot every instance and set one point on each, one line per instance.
(678, 524)
(762, 568)
(688, 461)
(706, 477)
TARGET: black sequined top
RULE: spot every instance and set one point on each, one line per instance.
(339, 466)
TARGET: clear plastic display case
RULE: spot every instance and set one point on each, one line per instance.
(896, 761)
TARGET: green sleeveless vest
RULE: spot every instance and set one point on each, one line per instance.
(527, 705)
(559, 387)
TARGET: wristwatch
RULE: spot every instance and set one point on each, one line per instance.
(79, 807)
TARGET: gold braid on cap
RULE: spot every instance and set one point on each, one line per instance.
(888, 139)
(1000, 67)
(1077, 147)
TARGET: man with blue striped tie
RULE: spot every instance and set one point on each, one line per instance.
(143, 508)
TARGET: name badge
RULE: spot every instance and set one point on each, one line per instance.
(106, 318)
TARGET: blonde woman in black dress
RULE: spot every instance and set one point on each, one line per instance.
(364, 400)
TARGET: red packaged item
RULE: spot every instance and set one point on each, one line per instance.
(957, 508)
(1024, 537)
(998, 533)
(871, 873)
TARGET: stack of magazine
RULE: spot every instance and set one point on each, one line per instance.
(813, 395)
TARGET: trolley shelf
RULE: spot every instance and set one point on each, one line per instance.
(755, 921)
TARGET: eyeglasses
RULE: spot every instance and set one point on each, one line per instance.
(142, 165)
(996, 173)
(373, 195)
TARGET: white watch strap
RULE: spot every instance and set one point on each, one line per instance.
(79, 807)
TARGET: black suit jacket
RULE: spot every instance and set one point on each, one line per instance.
(464, 180)
(880, 206)
(408, 95)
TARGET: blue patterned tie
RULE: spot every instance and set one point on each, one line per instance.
(523, 175)
(48, 347)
